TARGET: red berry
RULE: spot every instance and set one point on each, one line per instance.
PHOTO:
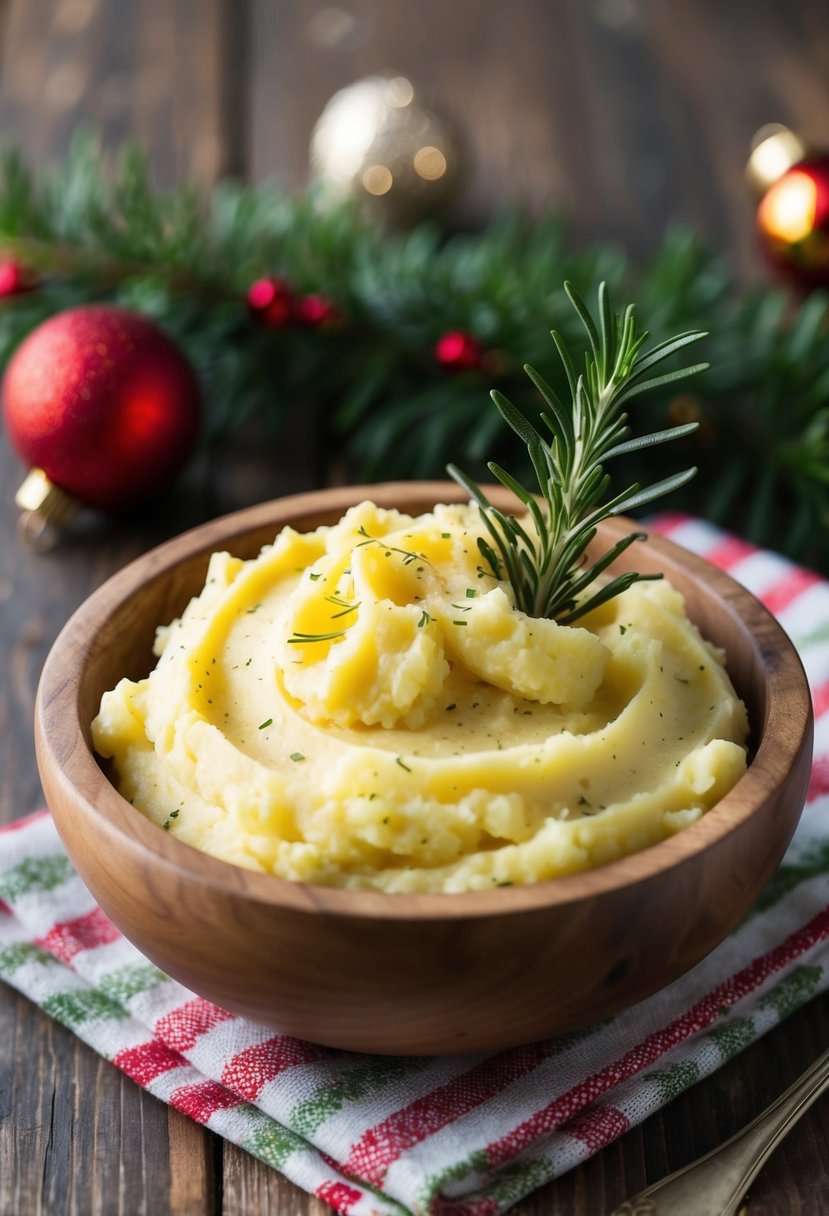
(13, 278)
(272, 302)
(316, 310)
(458, 351)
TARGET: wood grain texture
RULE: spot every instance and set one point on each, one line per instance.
(250, 1187)
(153, 71)
(78, 1136)
(627, 115)
(631, 113)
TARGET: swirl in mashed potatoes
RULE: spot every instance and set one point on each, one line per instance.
(363, 706)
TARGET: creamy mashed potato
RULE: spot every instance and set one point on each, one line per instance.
(363, 706)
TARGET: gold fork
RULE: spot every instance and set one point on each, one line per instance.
(715, 1184)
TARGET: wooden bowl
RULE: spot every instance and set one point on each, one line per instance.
(424, 973)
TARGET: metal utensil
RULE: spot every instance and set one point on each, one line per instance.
(714, 1185)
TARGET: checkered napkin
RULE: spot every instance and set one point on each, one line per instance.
(458, 1136)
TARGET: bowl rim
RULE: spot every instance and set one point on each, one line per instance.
(77, 772)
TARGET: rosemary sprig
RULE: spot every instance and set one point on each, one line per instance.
(546, 564)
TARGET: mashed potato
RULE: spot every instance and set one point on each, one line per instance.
(363, 706)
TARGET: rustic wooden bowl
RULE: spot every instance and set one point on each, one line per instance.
(416, 974)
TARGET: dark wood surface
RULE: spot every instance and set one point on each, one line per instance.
(630, 113)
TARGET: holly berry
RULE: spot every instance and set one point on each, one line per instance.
(458, 351)
(272, 300)
(315, 310)
(14, 280)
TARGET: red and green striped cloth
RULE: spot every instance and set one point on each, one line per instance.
(457, 1136)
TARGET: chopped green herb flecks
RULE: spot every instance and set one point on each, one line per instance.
(264, 725)
(300, 639)
(345, 611)
(407, 555)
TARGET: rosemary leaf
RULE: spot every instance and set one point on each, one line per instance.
(546, 564)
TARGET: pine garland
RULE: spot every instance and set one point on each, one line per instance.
(396, 410)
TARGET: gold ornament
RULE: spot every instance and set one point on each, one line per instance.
(376, 142)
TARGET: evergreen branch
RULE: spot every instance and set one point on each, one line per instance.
(90, 231)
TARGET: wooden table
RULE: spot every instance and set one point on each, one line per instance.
(627, 113)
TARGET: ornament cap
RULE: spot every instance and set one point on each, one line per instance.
(774, 150)
(45, 510)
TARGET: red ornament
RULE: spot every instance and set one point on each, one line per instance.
(103, 402)
(458, 351)
(793, 222)
(14, 280)
(313, 311)
(271, 300)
